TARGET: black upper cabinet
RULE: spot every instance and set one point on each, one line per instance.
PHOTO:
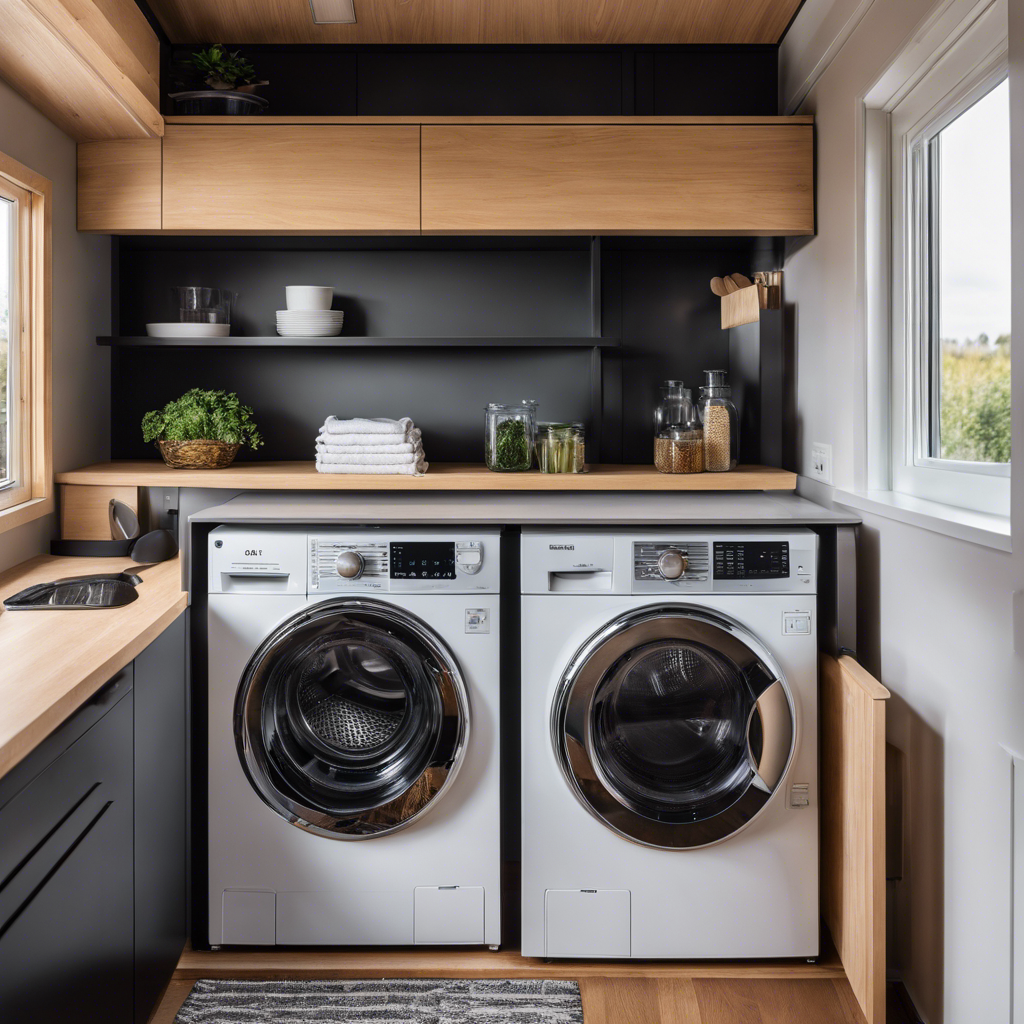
(66, 904)
(160, 842)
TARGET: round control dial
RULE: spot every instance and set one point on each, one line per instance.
(350, 565)
(672, 563)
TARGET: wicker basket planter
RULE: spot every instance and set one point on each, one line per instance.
(198, 454)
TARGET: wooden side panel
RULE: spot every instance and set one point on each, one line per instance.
(119, 186)
(853, 826)
(324, 179)
(618, 179)
(91, 66)
(84, 510)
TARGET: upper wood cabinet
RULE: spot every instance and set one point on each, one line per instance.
(697, 179)
(319, 179)
(601, 176)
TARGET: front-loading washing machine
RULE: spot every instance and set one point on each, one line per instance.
(669, 743)
(353, 765)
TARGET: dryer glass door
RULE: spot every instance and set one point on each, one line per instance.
(351, 719)
(673, 727)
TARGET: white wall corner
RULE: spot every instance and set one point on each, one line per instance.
(811, 44)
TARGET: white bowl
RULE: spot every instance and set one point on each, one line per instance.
(308, 296)
(188, 330)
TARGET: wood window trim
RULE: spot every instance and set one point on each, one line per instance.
(34, 498)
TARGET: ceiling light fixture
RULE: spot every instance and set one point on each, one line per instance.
(333, 12)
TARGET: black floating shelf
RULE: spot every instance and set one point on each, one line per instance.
(342, 341)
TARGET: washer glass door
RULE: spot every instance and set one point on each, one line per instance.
(351, 718)
(673, 726)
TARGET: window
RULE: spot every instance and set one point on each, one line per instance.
(951, 344)
(25, 484)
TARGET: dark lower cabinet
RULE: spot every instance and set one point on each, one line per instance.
(66, 901)
(93, 853)
(160, 840)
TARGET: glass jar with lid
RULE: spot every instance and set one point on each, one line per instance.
(557, 446)
(509, 437)
(675, 410)
(721, 423)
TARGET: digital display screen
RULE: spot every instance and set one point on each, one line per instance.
(751, 560)
(423, 560)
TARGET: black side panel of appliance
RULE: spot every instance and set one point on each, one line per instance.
(160, 793)
(65, 874)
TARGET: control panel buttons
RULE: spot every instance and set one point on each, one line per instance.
(349, 564)
(672, 563)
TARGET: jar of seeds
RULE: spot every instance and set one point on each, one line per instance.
(721, 423)
(679, 451)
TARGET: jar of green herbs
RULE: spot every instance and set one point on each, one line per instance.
(508, 437)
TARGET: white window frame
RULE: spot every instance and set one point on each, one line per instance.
(975, 63)
(29, 495)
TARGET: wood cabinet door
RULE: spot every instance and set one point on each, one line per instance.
(119, 186)
(718, 179)
(288, 179)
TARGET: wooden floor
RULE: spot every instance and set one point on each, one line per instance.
(613, 992)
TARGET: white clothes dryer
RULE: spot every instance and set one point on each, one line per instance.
(669, 743)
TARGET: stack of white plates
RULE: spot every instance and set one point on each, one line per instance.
(309, 323)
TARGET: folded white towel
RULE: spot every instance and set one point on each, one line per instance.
(406, 448)
(408, 469)
(368, 460)
(361, 426)
(409, 437)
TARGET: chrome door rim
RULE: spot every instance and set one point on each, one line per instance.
(572, 739)
(400, 811)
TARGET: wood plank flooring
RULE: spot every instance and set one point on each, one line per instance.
(613, 992)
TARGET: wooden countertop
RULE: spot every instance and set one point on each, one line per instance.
(55, 660)
(442, 476)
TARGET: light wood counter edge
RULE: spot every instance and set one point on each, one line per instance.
(144, 620)
(442, 476)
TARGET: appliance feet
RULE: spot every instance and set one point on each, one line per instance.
(494, 949)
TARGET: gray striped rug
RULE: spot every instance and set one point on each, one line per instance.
(396, 1001)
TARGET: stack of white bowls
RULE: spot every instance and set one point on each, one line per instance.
(309, 313)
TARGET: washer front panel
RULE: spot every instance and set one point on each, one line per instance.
(673, 726)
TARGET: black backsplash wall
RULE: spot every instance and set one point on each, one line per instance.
(654, 293)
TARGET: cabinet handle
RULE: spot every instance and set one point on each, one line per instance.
(26, 902)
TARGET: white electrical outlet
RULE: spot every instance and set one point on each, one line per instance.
(821, 462)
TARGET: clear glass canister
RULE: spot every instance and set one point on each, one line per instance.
(721, 423)
(675, 410)
(679, 451)
(509, 437)
(556, 447)
(581, 447)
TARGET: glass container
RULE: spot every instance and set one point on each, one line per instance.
(556, 447)
(198, 305)
(509, 437)
(581, 447)
(675, 410)
(679, 451)
(721, 423)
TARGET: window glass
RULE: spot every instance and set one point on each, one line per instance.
(8, 220)
(970, 375)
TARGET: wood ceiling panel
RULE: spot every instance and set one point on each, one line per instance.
(481, 21)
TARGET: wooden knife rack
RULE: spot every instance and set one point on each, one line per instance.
(746, 297)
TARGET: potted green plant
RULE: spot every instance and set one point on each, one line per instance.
(201, 430)
(230, 82)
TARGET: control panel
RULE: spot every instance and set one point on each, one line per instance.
(751, 560)
(670, 560)
(407, 563)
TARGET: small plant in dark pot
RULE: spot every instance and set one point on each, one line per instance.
(230, 82)
(201, 430)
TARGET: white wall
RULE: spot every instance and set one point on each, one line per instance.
(81, 310)
(936, 613)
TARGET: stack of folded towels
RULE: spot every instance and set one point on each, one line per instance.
(370, 446)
